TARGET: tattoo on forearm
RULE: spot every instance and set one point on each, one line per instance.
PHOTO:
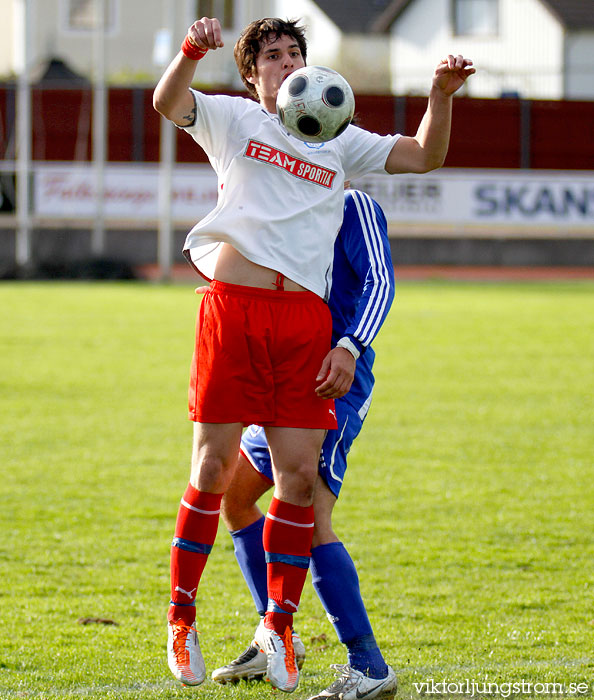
(190, 118)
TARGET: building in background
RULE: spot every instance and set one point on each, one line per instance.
(135, 34)
(136, 40)
(348, 36)
(533, 49)
(539, 49)
(517, 189)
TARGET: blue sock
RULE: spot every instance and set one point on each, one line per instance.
(337, 584)
(249, 552)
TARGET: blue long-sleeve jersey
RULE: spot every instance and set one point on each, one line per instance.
(362, 285)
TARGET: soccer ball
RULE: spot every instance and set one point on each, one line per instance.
(315, 104)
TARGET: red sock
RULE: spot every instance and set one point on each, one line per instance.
(288, 532)
(195, 532)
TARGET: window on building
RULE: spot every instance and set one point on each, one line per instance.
(221, 9)
(81, 15)
(476, 17)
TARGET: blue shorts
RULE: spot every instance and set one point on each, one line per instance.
(333, 458)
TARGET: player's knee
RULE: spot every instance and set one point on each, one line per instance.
(210, 473)
(305, 493)
(296, 488)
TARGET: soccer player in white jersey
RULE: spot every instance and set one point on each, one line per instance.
(262, 352)
(361, 295)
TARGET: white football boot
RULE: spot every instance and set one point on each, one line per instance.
(183, 653)
(354, 685)
(281, 667)
(252, 663)
(248, 666)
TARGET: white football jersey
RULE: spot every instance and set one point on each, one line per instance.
(280, 200)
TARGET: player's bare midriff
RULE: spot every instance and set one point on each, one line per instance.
(234, 268)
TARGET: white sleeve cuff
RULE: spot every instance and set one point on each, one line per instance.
(348, 344)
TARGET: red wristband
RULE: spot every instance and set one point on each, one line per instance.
(190, 50)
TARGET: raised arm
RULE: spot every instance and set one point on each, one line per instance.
(428, 148)
(172, 97)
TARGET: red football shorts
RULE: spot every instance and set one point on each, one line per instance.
(256, 358)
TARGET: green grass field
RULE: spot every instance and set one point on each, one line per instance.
(468, 507)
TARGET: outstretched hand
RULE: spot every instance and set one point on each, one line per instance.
(451, 73)
(206, 33)
(336, 374)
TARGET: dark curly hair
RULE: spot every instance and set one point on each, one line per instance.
(250, 41)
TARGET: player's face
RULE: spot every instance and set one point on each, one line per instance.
(277, 59)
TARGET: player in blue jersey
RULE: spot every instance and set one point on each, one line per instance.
(361, 296)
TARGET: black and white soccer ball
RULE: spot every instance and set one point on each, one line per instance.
(315, 104)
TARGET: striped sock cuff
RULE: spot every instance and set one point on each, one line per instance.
(188, 546)
(290, 514)
(291, 559)
(172, 603)
(276, 519)
(274, 607)
(202, 501)
(288, 529)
